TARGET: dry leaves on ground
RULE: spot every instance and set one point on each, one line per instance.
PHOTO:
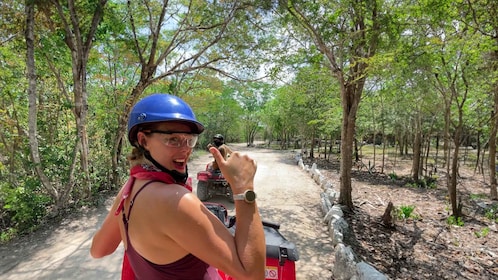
(425, 245)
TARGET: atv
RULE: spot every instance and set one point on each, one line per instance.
(211, 182)
(281, 254)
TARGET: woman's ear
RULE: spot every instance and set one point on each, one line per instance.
(141, 139)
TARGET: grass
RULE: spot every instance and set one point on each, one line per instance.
(477, 196)
(482, 233)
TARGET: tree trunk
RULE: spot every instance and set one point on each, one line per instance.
(329, 152)
(492, 138)
(452, 184)
(350, 96)
(417, 147)
(80, 112)
(483, 156)
(401, 145)
(395, 160)
(465, 151)
(312, 148)
(121, 131)
(79, 40)
(406, 144)
(374, 138)
(492, 148)
(356, 153)
(428, 169)
(436, 153)
(384, 151)
(32, 97)
(479, 165)
(446, 147)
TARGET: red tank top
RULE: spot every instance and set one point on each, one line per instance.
(188, 267)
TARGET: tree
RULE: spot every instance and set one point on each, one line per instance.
(483, 17)
(449, 47)
(78, 22)
(175, 39)
(347, 33)
(281, 115)
(32, 97)
(319, 96)
(252, 98)
(216, 107)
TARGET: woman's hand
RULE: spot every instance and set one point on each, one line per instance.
(239, 170)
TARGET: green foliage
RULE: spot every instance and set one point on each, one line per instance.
(411, 185)
(404, 212)
(252, 98)
(429, 182)
(216, 106)
(426, 182)
(8, 234)
(452, 221)
(418, 43)
(25, 204)
(393, 176)
(492, 213)
(482, 233)
(308, 107)
(479, 196)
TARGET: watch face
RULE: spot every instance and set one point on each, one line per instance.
(250, 196)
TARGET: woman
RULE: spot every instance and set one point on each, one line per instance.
(167, 231)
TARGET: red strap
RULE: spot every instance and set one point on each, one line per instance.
(139, 172)
(126, 192)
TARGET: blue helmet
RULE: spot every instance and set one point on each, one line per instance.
(161, 108)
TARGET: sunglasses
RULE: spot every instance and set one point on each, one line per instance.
(176, 139)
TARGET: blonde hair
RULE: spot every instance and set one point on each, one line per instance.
(137, 157)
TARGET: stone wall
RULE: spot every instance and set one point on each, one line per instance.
(347, 265)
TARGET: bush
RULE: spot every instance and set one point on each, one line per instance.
(492, 213)
(426, 183)
(452, 221)
(393, 176)
(24, 206)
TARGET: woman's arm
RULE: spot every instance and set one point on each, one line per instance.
(107, 238)
(239, 170)
(242, 255)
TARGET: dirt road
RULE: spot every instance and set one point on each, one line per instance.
(286, 195)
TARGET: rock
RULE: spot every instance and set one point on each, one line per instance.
(368, 272)
(345, 265)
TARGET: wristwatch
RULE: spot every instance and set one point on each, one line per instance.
(248, 196)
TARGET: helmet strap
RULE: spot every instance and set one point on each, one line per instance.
(177, 176)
